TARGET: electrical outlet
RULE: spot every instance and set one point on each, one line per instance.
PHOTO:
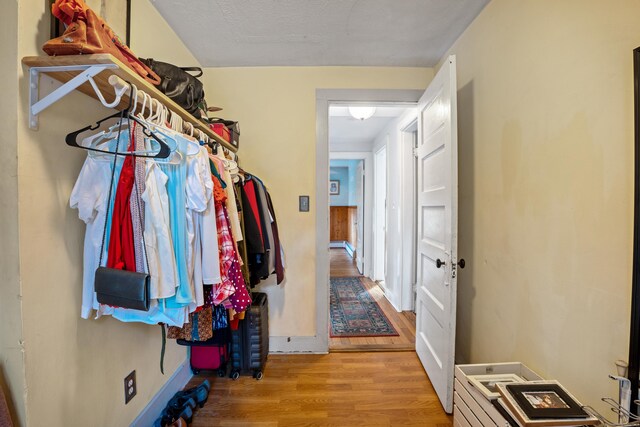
(130, 388)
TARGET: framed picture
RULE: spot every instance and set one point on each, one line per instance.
(334, 187)
(487, 384)
(543, 403)
(116, 13)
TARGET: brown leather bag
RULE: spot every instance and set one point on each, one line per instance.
(87, 33)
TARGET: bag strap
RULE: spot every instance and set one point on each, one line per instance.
(113, 175)
(193, 70)
(164, 346)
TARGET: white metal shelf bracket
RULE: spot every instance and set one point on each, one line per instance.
(36, 105)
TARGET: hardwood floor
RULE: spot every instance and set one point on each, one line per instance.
(336, 389)
(370, 388)
(342, 265)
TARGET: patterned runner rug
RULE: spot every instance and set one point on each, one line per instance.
(354, 313)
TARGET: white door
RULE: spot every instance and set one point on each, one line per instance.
(437, 177)
(360, 216)
(380, 220)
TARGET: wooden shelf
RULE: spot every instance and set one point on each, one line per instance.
(66, 72)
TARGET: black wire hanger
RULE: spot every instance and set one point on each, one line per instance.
(72, 138)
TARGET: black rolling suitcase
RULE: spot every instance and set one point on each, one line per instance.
(250, 343)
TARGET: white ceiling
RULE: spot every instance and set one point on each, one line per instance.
(345, 130)
(227, 33)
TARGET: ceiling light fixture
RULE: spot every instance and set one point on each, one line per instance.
(362, 113)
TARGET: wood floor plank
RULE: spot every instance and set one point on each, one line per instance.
(337, 389)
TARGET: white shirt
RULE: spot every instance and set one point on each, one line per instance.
(232, 207)
(89, 196)
(197, 201)
(157, 234)
(208, 228)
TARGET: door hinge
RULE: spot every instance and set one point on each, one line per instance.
(415, 153)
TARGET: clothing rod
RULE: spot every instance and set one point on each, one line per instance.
(119, 84)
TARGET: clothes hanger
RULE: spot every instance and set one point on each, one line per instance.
(145, 97)
(158, 119)
(193, 146)
(202, 137)
(164, 150)
(176, 123)
(190, 127)
(214, 147)
(119, 93)
(108, 135)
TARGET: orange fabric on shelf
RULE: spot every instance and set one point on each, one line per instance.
(68, 10)
(88, 33)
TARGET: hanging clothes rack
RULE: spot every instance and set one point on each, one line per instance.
(90, 75)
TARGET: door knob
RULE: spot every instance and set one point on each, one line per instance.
(461, 263)
(440, 263)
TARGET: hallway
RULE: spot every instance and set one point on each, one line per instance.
(342, 265)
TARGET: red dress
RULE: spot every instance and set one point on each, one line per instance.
(121, 249)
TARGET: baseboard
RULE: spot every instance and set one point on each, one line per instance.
(342, 245)
(316, 345)
(152, 411)
(349, 248)
(395, 304)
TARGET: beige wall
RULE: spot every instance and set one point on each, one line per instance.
(151, 37)
(545, 92)
(74, 368)
(11, 361)
(276, 107)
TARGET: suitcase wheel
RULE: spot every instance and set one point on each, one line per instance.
(222, 373)
(235, 375)
(257, 375)
(195, 371)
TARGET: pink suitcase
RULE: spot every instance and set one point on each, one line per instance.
(209, 358)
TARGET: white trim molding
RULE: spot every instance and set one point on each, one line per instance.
(324, 97)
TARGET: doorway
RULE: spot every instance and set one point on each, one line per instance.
(376, 260)
(346, 209)
(319, 342)
(436, 208)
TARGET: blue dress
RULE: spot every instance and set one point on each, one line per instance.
(176, 189)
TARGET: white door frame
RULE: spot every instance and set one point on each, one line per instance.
(410, 229)
(320, 342)
(367, 158)
(379, 261)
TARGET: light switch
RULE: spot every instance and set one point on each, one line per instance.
(303, 203)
